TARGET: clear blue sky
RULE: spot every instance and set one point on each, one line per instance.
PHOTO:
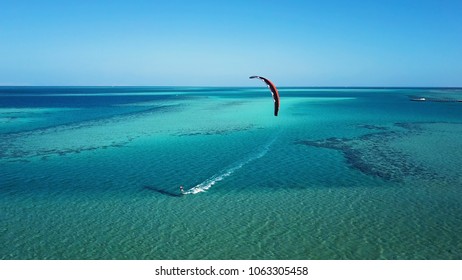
(221, 43)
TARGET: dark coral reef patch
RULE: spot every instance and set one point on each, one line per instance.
(373, 155)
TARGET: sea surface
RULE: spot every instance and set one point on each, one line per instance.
(341, 173)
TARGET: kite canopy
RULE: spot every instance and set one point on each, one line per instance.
(274, 92)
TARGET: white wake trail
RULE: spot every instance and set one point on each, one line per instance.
(207, 184)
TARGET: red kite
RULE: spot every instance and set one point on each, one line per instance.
(274, 92)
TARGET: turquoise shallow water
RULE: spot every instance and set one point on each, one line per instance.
(341, 173)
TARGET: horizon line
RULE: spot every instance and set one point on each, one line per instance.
(241, 86)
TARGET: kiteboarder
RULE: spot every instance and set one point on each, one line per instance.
(182, 190)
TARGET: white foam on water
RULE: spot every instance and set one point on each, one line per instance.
(207, 184)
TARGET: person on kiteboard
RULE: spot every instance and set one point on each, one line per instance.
(181, 190)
